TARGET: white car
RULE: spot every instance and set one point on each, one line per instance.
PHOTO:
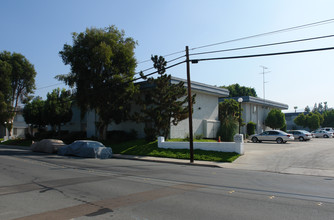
(322, 134)
(273, 135)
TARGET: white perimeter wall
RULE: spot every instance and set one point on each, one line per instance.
(237, 146)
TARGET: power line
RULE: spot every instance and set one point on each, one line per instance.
(263, 45)
(171, 54)
(252, 36)
(49, 86)
(135, 79)
(269, 33)
(169, 61)
(262, 55)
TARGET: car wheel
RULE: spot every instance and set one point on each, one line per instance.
(301, 139)
(254, 139)
(279, 140)
(326, 136)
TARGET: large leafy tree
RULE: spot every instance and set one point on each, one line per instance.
(275, 119)
(5, 91)
(18, 82)
(237, 90)
(102, 68)
(58, 108)
(22, 77)
(163, 103)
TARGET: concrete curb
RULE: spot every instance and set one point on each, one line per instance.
(169, 160)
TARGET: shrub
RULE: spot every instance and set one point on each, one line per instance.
(251, 126)
(72, 136)
(44, 135)
(199, 136)
(228, 127)
(119, 135)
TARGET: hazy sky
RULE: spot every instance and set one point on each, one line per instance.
(38, 29)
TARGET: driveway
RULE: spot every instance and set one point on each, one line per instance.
(315, 157)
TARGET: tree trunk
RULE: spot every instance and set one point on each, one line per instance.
(103, 131)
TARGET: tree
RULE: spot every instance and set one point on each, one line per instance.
(34, 113)
(5, 92)
(320, 107)
(228, 107)
(102, 68)
(162, 103)
(307, 109)
(328, 119)
(236, 90)
(58, 108)
(228, 115)
(275, 119)
(315, 108)
(301, 120)
(22, 77)
(16, 70)
(325, 106)
(313, 121)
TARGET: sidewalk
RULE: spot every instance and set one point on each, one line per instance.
(171, 160)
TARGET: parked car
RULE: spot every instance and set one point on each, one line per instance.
(301, 135)
(85, 148)
(322, 134)
(327, 129)
(272, 135)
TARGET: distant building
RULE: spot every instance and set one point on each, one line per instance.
(20, 128)
(290, 124)
(256, 110)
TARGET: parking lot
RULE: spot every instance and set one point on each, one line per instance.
(315, 157)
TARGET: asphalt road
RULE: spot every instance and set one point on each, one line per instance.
(41, 186)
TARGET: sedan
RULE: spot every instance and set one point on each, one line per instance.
(322, 134)
(301, 135)
(273, 135)
(85, 148)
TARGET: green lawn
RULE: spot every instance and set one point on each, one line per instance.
(18, 142)
(187, 140)
(143, 148)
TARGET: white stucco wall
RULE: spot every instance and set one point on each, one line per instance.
(255, 113)
(205, 118)
(76, 123)
(236, 146)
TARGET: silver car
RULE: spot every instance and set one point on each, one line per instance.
(273, 135)
(322, 134)
(301, 135)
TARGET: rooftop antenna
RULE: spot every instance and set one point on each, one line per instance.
(264, 82)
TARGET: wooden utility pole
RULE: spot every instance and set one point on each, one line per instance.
(190, 106)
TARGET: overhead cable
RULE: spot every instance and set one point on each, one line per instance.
(262, 55)
(262, 45)
(269, 33)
